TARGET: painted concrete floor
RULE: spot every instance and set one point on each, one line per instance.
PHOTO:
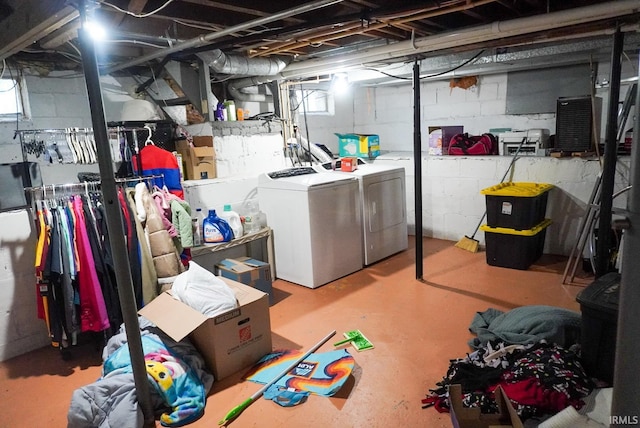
(416, 327)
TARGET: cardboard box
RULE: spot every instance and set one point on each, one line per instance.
(440, 137)
(199, 160)
(248, 271)
(229, 342)
(349, 164)
(362, 145)
(435, 140)
(465, 417)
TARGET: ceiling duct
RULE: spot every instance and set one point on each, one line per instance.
(209, 37)
(235, 89)
(222, 63)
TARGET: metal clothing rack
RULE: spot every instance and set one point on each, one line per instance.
(118, 130)
(52, 191)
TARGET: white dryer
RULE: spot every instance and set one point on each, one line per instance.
(382, 200)
(313, 216)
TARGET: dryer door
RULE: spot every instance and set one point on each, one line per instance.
(385, 218)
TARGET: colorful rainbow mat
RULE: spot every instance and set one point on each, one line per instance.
(321, 373)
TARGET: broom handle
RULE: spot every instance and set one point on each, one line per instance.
(342, 342)
(235, 412)
(515, 157)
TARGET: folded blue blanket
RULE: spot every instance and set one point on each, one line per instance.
(526, 324)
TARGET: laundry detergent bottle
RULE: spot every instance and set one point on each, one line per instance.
(233, 218)
(215, 229)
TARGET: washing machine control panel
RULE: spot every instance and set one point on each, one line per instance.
(292, 172)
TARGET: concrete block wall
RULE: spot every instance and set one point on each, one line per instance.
(387, 110)
(452, 204)
(244, 148)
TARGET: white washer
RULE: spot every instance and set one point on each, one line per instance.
(383, 207)
(314, 217)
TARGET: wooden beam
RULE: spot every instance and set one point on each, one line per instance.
(136, 6)
(32, 20)
(239, 9)
(475, 15)
(355, 28)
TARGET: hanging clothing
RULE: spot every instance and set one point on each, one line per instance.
(66, 284)
(42, 249)
(157, 161)
(132, 247)
(147, 270)
(107, 285)
(93, 311)
(166, 259)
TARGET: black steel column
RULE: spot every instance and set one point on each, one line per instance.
(417, 167)
(114, 221)
(610, 159)
(626, 397)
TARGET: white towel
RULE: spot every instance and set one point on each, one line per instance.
(570, 418)
(598, 405)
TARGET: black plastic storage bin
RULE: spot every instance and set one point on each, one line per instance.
(515, 249)
(599, 307)
(519, 206)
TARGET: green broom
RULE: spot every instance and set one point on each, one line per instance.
(468, 243)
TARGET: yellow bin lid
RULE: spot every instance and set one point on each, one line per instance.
(524, 190)
(526, 232)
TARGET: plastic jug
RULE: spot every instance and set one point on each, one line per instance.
(197, 227)
(251, 219)
(215, 229)
(233, 218)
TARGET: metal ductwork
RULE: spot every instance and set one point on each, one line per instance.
(235, 89)
(262, 71)
(222, 63)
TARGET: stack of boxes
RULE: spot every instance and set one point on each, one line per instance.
(516, 224)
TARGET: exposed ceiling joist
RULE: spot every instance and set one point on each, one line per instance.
(240, 9)
(30, 21)
(330, 31)
(137, 6)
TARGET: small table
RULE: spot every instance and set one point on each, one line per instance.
(265, 232)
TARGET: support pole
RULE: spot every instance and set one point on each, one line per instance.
(417, 165)
(114, 221)
(626, 398)
(610, 159)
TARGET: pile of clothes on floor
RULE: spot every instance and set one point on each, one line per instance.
(531, 352)
(179, 381)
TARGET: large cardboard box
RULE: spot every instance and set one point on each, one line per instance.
(199, 160)
(252, 272)
(229, 342)
(465, 417)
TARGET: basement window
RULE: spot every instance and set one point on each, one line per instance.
(12, 106)
(314, 101)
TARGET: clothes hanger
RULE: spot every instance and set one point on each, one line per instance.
(93, 152)
(148, 140)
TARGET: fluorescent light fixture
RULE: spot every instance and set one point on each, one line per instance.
(340, 83)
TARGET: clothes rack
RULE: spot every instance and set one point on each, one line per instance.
(32, 141)
(60, 279)
(87, 185)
